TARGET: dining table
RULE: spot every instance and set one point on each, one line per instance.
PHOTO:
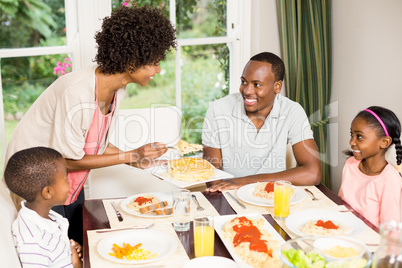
(98, 215)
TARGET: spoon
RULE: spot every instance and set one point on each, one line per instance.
(199, 208)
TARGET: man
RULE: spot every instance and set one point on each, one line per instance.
(246, 133)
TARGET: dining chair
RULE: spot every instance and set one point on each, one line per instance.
(134, 128)
(8, 212)
(290, 158)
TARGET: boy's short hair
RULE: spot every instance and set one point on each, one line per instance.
(30, 170)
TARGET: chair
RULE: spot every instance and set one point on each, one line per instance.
(134, 128)
(290, 158)
(8, 254)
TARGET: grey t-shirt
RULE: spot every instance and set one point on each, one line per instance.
(246, 151)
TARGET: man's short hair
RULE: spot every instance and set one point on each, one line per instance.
(30, 170)
(278, 68)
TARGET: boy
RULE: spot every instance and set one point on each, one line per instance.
(39, 175)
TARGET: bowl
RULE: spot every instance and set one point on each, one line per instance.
(295, 252)
(337, 249)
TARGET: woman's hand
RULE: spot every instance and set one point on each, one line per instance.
(144, 157)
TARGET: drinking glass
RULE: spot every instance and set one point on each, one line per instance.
(204, 236)
(282, 192)
(389, 253)
(181, 209)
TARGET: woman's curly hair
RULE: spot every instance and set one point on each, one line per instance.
(133, 37)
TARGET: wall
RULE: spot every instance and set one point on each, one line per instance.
(367, 57)
(367, 60)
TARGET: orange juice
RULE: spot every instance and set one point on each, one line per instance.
(204, 241)
(282, 193)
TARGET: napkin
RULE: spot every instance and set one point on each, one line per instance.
(178, 257)
(129, 219)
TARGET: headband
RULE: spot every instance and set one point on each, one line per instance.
(379, 120)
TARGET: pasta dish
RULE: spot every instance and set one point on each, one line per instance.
(186, 147)
(190, 169)
(252, 242)
(142, 201)
(322, 227)
(266, 190)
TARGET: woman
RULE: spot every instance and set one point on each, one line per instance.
(75, 114)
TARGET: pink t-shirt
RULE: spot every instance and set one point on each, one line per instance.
(377, 197)
(96, 136)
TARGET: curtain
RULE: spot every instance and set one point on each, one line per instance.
(305, 37)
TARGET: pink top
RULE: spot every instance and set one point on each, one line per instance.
(96, 136)
(377, 197)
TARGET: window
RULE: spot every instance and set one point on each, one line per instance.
(40, 39)
(199, 71)
(205, 66)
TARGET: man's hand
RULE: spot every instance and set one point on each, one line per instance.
(227, 185)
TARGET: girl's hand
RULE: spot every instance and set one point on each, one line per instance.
(76, 254)
(144, 157)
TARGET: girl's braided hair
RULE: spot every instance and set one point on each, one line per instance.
(392, 125)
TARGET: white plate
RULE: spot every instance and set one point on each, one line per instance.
(161, 196)
(157, 242)
(162, 172)
(294, 221)
(245, 193)
(211, 262)
(220, 221)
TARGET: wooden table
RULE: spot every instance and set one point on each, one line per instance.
(94, 217)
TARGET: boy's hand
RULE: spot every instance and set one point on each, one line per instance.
(76, 254)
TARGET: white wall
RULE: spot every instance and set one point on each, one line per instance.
(367, 61)
(367, 57)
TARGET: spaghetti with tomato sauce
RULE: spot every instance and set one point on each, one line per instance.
(266, 190)
(142, 201)
(252, 242)
(323, 227)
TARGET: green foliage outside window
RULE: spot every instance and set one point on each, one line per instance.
(25, 78)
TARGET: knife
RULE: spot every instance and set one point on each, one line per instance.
(237, 201)
(119, 216)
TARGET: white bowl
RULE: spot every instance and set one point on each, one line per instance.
(309, 244)
(326, 243)
(211, 262)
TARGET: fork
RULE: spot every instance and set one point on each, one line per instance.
(311, 193)
(127, 228)
(199, 208)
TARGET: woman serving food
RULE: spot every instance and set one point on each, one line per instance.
(76, 113)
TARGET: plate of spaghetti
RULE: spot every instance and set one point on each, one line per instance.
(137, 246)
(262, 194)
(148, 205)
(250, 240)
(324, 223)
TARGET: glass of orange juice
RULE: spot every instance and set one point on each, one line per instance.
(282, 192)
(204, 236)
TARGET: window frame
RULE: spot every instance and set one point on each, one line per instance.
(84, 19)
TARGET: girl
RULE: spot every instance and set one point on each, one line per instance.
(369, 183)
